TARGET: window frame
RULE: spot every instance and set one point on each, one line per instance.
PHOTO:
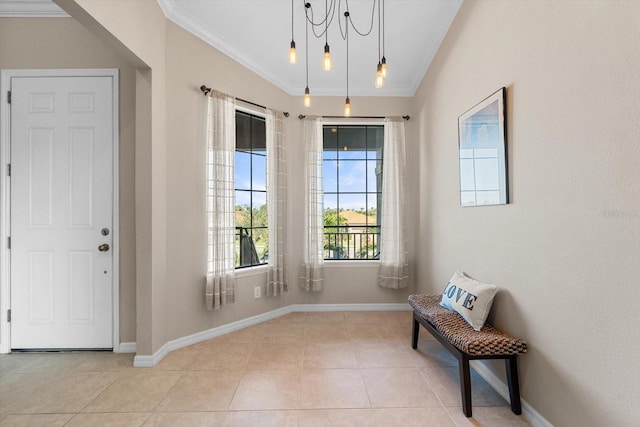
(249, 269)
(352, 262)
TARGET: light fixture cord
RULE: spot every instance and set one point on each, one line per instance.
(326, 23)
(328, 19)
(291, 19)
(346, 17)
(306, 49)
(378, 30)
(364, 34)
(383, 32)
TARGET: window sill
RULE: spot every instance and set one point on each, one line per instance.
(351, 264)
(251, 271)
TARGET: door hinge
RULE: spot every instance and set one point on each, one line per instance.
(9, 96)
(8, 169)
(9, 315)
(8, 242)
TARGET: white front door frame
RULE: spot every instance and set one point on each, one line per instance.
(5, 194)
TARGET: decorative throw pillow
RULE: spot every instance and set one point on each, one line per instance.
(469, 298)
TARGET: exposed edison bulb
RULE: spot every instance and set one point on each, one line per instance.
(384, 67)
(327, 62)
(347, 107)
(307, 97)
(379, 80)
(293, 55)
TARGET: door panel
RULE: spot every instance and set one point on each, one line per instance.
(61, 198)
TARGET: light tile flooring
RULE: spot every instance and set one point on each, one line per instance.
(302, 369)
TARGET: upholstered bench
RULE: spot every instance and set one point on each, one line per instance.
(466, 344)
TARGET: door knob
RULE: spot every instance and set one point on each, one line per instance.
(103, 247)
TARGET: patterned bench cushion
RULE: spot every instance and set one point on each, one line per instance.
(487, 342)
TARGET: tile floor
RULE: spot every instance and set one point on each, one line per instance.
(302, 369)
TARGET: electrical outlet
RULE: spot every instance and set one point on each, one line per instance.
(256, 292)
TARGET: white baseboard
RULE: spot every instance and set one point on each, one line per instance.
(151, 361)
(126, 347)
(532, 416)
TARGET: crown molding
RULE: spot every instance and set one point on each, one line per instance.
(209, 35)
(31, 9)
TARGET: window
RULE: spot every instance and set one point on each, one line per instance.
(352, 185)
(252, 234)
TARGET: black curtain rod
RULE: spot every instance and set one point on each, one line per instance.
(206, 90)
(302, 116)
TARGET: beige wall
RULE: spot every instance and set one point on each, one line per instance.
(63, 43)
(137, 30)
(566, 251)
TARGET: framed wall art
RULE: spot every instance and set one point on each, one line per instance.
(482, 144)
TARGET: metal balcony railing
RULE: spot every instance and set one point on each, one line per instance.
(246, 254)
(352, 242)
(345, 242)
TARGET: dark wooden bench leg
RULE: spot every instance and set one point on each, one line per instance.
(514, 385)
(416, 331)
(465, 384)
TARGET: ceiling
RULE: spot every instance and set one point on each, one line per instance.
(257, 34)
(29, 8)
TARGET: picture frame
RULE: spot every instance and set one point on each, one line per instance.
(482, 152)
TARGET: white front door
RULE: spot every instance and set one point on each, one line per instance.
(61, 212)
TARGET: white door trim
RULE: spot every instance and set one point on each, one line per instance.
(5, 198)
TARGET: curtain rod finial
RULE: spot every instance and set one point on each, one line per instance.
(205, 89)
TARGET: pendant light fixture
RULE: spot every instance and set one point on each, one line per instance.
(307, 96)
(347, 102)
(327, 62)
(293, 55)
(379, 80)
(335, 8)
(383, 62)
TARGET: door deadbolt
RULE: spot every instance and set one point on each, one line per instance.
(103, 247)
(105, 231)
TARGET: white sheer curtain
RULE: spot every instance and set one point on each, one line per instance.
(276, 202)
(312, 278)
(393, 234)
(221, 143)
